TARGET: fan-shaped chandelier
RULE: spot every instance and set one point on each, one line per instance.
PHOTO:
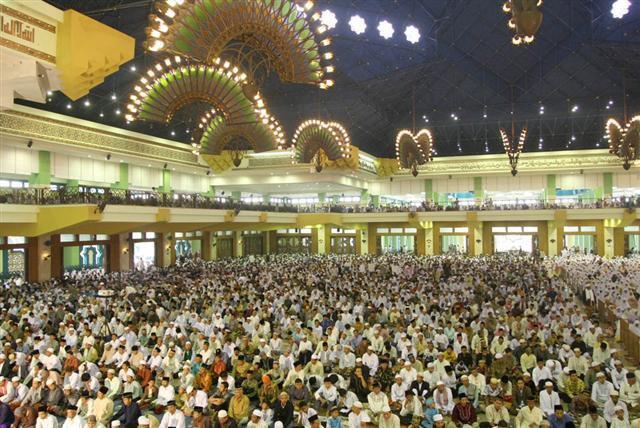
(624, 142)
(414, 150)
(513, 151)
(319, 142)
(291, 36)
(216, 134)
(525, 20)
(173, 84)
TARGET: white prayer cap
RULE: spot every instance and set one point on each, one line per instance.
(548, 384)
(222, 414)
(257, 413)
(314, 357)
(576, 349)
(437, 418)
(143, 420)
(595, 364)
(618, 409)
(566, 347)
(614, 393)
(407, 363)
(278, 424)
(386, 409)
(430, 365)
(15, 379)
(112, 371)
(498, 356)
(439, 383)
(49, 349)
(398, 376)
(189, 389)
(599, 374)
(358, 360)
(50, 382)
(364, 418)
(115, 423)
(357, 404)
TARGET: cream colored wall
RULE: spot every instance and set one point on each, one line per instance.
(18, 161)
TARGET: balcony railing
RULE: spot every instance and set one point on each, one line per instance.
(105, 196)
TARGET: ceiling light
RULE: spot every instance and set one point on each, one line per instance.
(328, 19)
(118, 111)
(49, 93)
(173, 133)
(101, 114)
(69, 106)
(385, 29)
(575, 108)
(357, 24)
(133, 68)
(413, 34)
(87, 103)
(620, 8)
(610, 102)
(114, 97)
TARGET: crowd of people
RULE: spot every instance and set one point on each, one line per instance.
(337, 341)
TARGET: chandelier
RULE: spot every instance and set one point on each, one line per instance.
(513, 152)
(525, 20)
(290, 35)
(414, 150)
(624, 142)
(320, 143)
(173, 84)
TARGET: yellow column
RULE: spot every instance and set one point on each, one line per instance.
(44, 258)
(124, 252)
(428, 239)
(364, 241)
(237, 241)
(476, 237)
(168, 251)
(214, 246)
(373, 237)
(421, 244)
(552, 235)
(609, 241)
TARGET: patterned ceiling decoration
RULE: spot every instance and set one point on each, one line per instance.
(320, 143)
(624, 142)
(525, 21)
(414, 150)
(289, 36)
(513, 152)
(173, 84)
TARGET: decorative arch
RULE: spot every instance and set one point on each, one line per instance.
(414, 150)
(291, 35)
(173, 84)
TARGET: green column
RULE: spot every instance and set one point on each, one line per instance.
(236, 196)
(607, 184)
(335, 199)
(42, 178)
(375, 200)
(166, 181)
(322, 197)
(210, 193)
(123, 181)
(550, 190)
(478, 188)
(364, 197)
(428, 189)
(266, 198)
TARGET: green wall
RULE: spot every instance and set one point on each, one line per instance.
(42, 178)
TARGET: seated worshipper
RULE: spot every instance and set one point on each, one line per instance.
(268, 391)
(630, 393)
(421, 388)
(103, 407)
(53, 397)
(166, 393)
(256, 420)
(529, 415)
(219, 400)
(225, 421)
(129, 412)
(593, 419)
(299, 392)
(560, 419)
(173, 417)
(410, 410)
(443, 398)
(239, 406)
(496, 414)
(199, 420)
(388, 419)
(463, 412)
(346, 399)
(45, 419)
(283, 410)
(492, 391)
(620, 419)
(357, 414)
(601, 390)
(7, 417)
(305, 413)
(397, 393)
(334, 420)
(73, 419)
(327, 395)
(548, 399)
(358, 382)
(377, 400)
(609, 410)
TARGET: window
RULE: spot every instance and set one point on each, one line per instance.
(446, 230)
(461, 230)
(334, 230)
(149, 235)
(411, 230)
(16, 240)
(530, 229)
(351, 231)
(571, 229)
(514, 229)
(67, 238)
(102, 237)
(5, 183)
(632, 229)
(382, 230)
(84, 237)
(136, 235)
(179, 234)
(499, 229)
(306, 230)
(396, 230)
(587, 228)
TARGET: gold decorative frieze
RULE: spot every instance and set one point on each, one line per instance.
(47, 129)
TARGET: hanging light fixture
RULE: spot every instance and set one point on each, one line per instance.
(525, 20)
(414, 148)
(318, 142)
(624, 140)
